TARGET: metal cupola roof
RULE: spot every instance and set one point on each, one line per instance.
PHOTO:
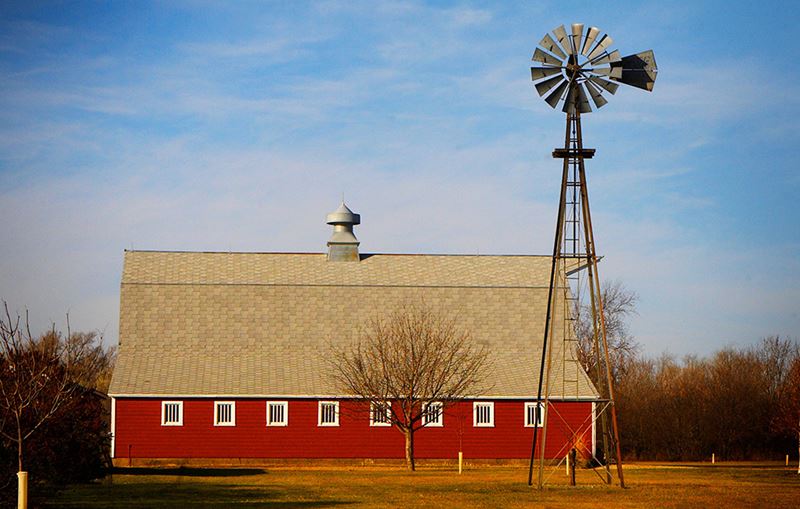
(343, 215)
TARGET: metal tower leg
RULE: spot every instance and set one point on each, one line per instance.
(598, 373)
(591, 254)
(547, 323)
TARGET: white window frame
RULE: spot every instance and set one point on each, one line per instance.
(285, 405)
(232, 422)
(540, 415)
(179, 422)
(319, 413)
(438, 423)
(373, 409)
(485, 404)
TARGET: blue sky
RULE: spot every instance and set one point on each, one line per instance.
(238, 126)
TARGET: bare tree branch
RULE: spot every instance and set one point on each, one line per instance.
(619, 303)
(39, 375)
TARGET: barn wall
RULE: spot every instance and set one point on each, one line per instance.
(139, 433)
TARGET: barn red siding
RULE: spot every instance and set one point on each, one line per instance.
(139, 432)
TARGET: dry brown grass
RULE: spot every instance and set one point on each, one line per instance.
(649, 485)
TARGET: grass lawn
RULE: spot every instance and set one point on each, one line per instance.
(653, 485)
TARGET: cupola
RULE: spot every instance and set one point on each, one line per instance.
(343, 244)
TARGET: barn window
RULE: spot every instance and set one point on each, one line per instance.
(380, 414)
(328, 413)
(533, 415)
(277, 413)
(432, 414)
(172, 413)
(483, 414)
(224, 413)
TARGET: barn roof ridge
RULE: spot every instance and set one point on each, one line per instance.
(318, 253)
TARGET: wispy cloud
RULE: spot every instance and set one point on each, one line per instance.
(467, 16)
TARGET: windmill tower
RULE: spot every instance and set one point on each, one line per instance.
(576, 66)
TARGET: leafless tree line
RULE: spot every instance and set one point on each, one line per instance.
(739, 403)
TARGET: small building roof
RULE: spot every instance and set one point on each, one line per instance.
(261, 324)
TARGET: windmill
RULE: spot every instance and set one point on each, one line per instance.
(577, 66)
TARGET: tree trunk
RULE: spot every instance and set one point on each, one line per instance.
(19, 446)
(573, 458)
(410, 450)
(798, 447)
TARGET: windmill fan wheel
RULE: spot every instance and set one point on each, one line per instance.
(581, 64)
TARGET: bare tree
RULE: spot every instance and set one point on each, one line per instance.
(408, 364)
(776, 356)
(787, 419)
(619, 303)
(39, 375)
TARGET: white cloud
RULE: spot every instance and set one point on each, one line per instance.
(467, 16)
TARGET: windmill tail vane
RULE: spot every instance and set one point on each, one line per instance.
(577, 67)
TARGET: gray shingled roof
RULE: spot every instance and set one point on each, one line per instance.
(259, 324)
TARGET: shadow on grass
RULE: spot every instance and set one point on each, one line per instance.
(190, 494)
(189, 471)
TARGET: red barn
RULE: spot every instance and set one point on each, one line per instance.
(222, 355)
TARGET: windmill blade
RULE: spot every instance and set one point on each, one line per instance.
(601, 46)
(561, 35)
(546, 85)
(597, 96)
(550, 45)
(611, 72)
(556, 94)
(538, 73)
(582, 101)
(577, 37)
(591, 35)
(608, 86)
(545, 58)
(606, 57)
(576, 100)
(569, 102)
(603, 58)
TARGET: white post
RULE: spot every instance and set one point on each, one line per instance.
(22, 493)
(787, 460)
(713, 458)
(567, 462)
(460, 460)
